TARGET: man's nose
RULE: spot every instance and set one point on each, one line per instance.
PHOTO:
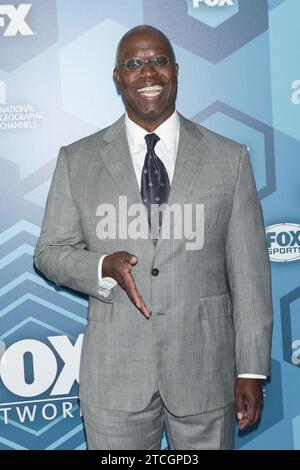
(148, 69)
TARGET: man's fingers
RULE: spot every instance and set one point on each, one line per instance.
(242, 418)
(129, 259)
(135, 296)
(249, 400)
(133, 260)
(138, 301)
(239, 405)
(145, 309)
(256, 412)
(250, 415)
(252, 411)
(127, 282)
(132, 289)
(257, 416)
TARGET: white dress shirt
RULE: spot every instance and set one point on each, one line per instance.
(166, 150)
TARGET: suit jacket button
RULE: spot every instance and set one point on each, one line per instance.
(155, 272)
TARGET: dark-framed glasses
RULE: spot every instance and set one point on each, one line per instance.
(136, 63)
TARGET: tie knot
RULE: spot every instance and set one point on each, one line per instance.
(151, 141)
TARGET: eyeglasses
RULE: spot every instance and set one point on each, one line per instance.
(136, 63)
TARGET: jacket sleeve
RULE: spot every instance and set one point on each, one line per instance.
(61, 251)
(249, 278)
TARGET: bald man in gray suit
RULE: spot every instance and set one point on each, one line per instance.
(179, 329)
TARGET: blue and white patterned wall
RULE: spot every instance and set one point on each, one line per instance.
(240, 76)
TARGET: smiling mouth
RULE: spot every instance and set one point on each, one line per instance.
(151, 91)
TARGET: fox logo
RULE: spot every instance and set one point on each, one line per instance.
(17, 23)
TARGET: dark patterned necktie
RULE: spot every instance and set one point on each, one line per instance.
(155, 184)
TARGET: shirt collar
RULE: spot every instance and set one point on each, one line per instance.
(167, 132)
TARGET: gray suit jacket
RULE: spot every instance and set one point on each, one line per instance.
(211, 308)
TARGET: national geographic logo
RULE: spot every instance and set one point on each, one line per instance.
(283, 242)
(17, 116)
(13, 20)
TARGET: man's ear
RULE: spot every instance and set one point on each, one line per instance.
(116, 74)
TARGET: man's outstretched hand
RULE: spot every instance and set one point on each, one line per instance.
(248, 401)
(119, 266)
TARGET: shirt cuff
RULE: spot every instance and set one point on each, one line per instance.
(252, 376)
(105, 283)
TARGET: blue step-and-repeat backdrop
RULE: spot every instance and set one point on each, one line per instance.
(240, 76)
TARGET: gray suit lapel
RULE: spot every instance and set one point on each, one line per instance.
(116, 156)
(190, 158)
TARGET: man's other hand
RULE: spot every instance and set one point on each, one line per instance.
(248, 401)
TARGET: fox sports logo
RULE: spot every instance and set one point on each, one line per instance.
(283, 242)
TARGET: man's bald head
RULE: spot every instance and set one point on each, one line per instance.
(143, 28)
(148, 92)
